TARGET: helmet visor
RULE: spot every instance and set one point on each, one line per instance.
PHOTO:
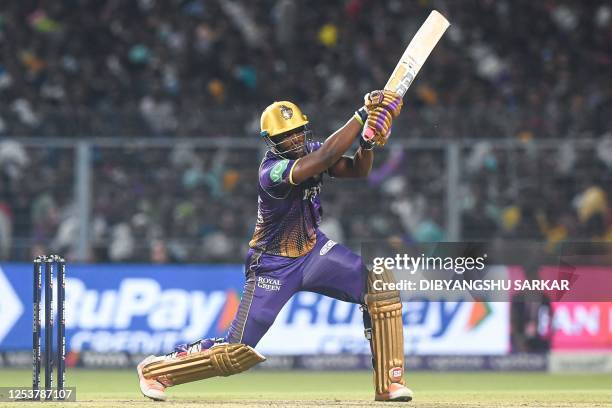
(290, 145)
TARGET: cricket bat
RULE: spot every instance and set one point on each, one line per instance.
(417, 52)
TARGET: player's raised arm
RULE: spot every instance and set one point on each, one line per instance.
(379, 110)
(376, 105)
(329, 153)
(359, 165)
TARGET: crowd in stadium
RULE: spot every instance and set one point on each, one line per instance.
(185, 204)
(201, 69)
(204, 68)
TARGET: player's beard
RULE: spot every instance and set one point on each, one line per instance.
(294, 149)
(297, 149)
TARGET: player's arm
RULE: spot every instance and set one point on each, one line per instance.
(378, 105)
(353, 167)
(327, 155)
(361, 163)
(377, 114)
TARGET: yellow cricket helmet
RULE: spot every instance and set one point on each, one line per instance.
(281, 117)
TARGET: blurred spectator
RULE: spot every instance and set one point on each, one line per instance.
(176, 67)
(6, 231)
(191, 68)
(188, 204)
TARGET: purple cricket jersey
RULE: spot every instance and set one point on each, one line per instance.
(288, 215)
(289, 254)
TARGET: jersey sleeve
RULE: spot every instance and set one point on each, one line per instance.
(313, 146)
(275, 176)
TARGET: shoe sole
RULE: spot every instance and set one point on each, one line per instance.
(404, 395)
(401, 399)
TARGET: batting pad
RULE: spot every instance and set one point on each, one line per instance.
(385, 309)
(221, 360)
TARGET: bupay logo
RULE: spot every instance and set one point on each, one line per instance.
(436, 316)
(434, 327)
(141, 312)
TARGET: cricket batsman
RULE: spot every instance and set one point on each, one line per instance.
(288, 253)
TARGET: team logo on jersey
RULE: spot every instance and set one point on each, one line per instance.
(328, 245)
(286, 112)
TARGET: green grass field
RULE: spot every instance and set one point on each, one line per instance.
(271, 389)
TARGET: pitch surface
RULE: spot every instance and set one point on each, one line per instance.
(118, 388)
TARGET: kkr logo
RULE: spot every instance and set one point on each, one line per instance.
(286, 112)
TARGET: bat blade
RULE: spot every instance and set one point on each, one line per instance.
(417, 52)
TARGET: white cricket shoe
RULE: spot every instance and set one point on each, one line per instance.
(397, 393)
(151, 388)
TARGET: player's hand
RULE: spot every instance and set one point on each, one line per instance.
(377, 127)
(387, 99)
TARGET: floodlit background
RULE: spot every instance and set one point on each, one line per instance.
(129, 144)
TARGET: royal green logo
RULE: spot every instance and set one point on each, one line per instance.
(277, 171)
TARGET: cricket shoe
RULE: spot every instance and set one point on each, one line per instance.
(397, 393)
(151, 388)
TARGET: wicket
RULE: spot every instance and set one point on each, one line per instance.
(49, 263)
